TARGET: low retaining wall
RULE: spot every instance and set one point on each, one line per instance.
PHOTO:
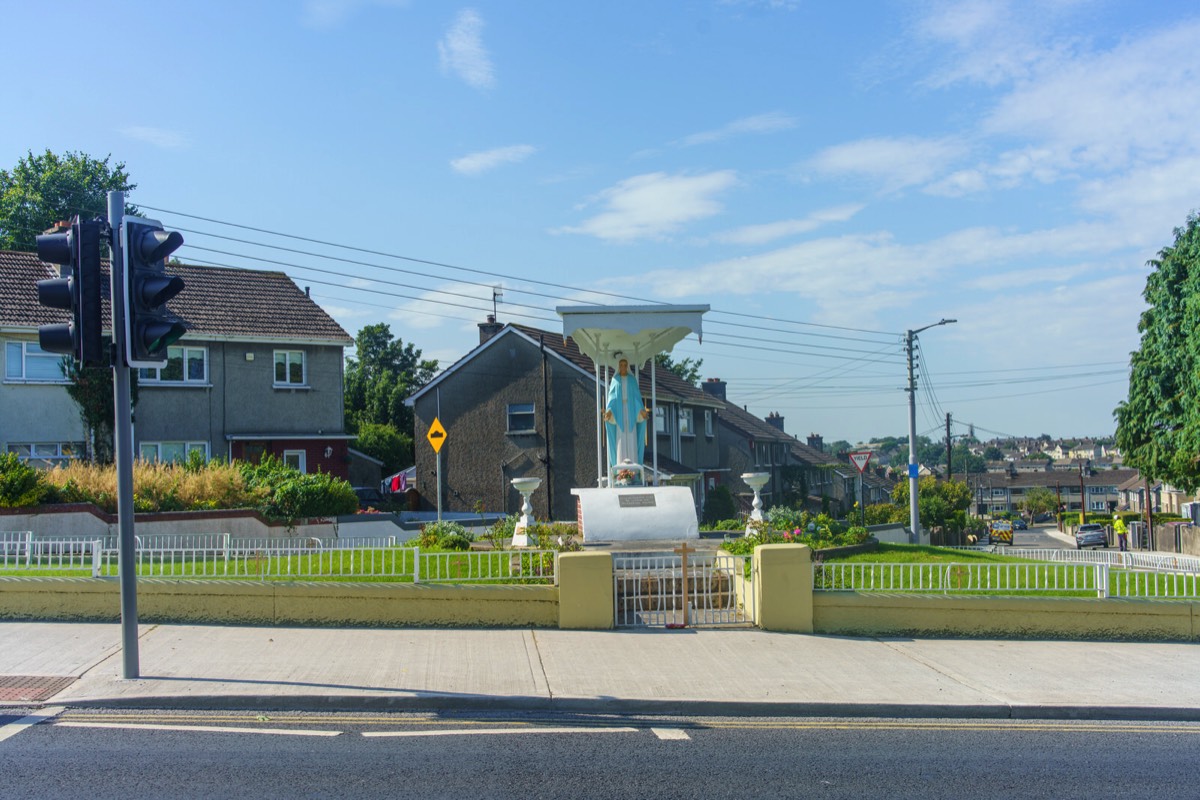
(258, 603)
(850, 613)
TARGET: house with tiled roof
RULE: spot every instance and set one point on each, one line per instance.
(259, 371)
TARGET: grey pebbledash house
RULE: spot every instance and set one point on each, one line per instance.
(259, 371)
(523, 404)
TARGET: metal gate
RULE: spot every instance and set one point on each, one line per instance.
(676, 591)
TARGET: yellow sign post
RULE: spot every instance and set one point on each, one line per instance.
(436, 435)
(437, 438)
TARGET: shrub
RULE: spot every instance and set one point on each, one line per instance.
(560, 536)
(290, 495)
(447, 535)
(20, 484)
(501, 532)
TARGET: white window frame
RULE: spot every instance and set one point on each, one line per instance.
(25, 354)
(301, 457)
(63, 452)
(188, 447)
(153, 375)
(287, 369)
(685, 422)
(660, 420)
(518, 412)
(708, 422)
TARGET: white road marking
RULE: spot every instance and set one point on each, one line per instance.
(498, 731)
(13, 728)
(193, 728)
(670, 733)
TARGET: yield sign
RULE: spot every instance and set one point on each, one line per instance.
(860, 459)
(436, 435)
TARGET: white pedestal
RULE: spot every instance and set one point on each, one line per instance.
(636, 513)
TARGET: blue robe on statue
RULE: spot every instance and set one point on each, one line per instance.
(626, 433)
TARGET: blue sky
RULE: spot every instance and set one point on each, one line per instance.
(824, 175)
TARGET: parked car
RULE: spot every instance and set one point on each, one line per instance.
(1020, 525)
(368, 497)
(1091, 534)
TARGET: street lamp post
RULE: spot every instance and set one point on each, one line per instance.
(914, 519)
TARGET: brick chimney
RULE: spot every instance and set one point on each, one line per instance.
(816, 442)
(715, 387)
(775, 420)
(489, 329)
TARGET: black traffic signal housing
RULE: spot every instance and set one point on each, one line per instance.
(149, 328)
(79, 293)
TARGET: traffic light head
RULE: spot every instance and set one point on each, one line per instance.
(79, 293)
(149, 327)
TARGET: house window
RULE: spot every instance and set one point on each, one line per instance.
(685, 422)
(289, 368)
(184, 365)
(708, 422)
(660, 419)
(520, 418)
(46, 454)
(26, 361)
(998, 492)
(295, 459)
(171, 452)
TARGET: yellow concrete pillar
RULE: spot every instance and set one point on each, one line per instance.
(585, 591)
(783, 587)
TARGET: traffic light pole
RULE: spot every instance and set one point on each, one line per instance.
(123, 436)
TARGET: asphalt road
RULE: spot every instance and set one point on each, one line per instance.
(258, 755)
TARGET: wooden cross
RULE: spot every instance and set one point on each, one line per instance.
(683, 550)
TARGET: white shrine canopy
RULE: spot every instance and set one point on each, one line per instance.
(638, 333)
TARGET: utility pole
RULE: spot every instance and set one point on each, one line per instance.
(949, 449)
(914, 519)
(1082, 499)
(1058, 516)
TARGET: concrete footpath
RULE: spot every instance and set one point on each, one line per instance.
(696, 672)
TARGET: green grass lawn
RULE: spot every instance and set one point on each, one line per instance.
(923, 554)
(391, 565)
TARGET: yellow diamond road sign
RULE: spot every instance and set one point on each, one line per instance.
(436, 435)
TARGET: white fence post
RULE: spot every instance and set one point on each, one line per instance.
(97, 552)
(1102, 580)
(417, 564)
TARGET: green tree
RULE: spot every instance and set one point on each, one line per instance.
(44, 189)
(993, 453)
(719, 505)
(687, 369)
(940, 504)
(1039, 500)
(1158, 425)
(381, 374)
(92, 391)
(393, 448)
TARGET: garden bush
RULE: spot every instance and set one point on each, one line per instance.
(20, 484)
(446, 534)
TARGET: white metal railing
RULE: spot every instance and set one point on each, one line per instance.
(649, 590)
(1100, 580)
(1162, 562)
(307, 559)
(71, 555)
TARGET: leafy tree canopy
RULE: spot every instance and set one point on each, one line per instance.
(384, 442)
(44, 189)
(381, 374)
(1158, 425)
(687, 369)
(993, 453)
(940, 504)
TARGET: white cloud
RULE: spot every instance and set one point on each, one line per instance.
(325, 14)
(758, 124)
(770, 231)
(159, 137)
(892, 162)
(1109, 109)
(655, 205)
(475, 163)
(462, 51)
